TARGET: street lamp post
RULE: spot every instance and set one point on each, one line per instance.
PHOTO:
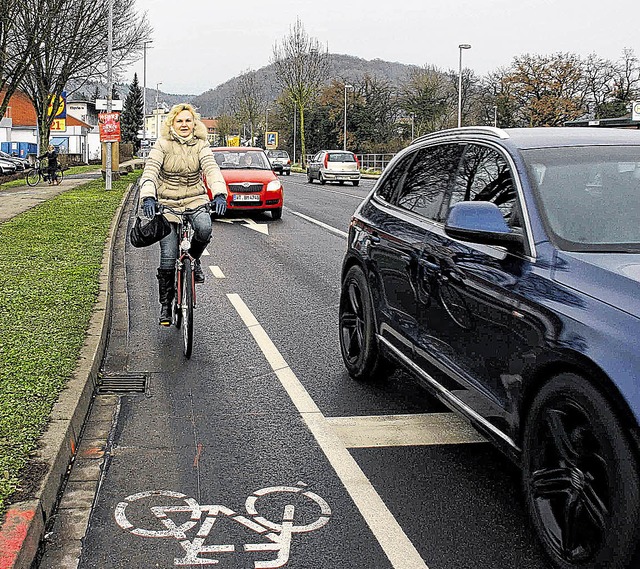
(495, 116)
(266, 125)
(344, 136)
(144, 93)
(156, 111)
(460, 47)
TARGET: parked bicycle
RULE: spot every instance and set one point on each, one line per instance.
(185, 296)
(40, 173)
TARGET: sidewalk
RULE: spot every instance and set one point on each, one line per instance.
(13, 201)
(24, 525)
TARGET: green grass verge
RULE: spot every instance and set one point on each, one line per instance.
(50, 260)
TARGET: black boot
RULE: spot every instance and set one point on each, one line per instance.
(198, 275)
(166, 292)
(196, 250)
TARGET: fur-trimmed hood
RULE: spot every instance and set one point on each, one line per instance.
(199, 131)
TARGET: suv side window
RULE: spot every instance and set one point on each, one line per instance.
(484, 175)
(389, 183)
(428, 179)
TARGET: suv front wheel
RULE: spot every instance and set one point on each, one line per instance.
(581, 477)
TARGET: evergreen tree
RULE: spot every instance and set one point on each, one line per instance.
(132, 119)
(96, 93)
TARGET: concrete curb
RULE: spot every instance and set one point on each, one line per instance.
(24, 525)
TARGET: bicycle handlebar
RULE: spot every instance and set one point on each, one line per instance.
(162, 208)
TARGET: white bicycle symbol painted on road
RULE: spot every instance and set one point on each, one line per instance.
(277, 535)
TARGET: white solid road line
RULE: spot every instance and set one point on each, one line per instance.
(394, 542)
(320, 223)
(404, 430)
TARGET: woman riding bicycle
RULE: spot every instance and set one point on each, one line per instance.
(173, 176)
(52, 164)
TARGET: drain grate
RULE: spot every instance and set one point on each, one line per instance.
(122, 383)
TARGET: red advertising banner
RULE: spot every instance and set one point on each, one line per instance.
(109, 127)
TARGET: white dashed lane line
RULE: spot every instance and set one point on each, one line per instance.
(217, 271)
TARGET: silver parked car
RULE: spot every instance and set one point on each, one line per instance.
(280, 161)
(21, 163)
(7, 167)
(334, 166)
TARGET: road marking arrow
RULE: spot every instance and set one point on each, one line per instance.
(259, 227)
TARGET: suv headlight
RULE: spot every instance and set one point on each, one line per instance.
(274, 185)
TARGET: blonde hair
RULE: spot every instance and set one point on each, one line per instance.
(177, 109)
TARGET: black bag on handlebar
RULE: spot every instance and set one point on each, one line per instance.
(145, 234)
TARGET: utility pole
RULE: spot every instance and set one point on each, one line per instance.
(109, 157)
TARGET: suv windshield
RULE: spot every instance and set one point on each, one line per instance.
(277, 154)
(589, 195)
(242, 160)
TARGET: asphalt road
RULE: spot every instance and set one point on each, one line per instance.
(255, 452)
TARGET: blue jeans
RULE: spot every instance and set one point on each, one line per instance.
(201, 223)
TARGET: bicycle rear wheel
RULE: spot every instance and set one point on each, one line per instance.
(33, 177)
(187, 308)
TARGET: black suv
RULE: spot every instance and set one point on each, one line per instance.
(502, 268)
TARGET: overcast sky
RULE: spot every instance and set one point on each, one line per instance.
(199, 44)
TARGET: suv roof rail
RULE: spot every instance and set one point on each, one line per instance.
(487, 130)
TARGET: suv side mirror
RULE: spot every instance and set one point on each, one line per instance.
(481, 222)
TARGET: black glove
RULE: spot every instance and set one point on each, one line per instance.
(149, 207)
(219, 204)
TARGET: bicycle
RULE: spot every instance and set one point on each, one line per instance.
(38, 173)
(184, 300)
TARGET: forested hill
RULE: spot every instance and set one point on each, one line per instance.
(341, 67)
(212, 103)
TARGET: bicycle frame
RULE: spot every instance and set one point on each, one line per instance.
(185, 235)
(185, 300)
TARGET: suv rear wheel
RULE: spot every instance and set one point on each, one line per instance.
(358, 343)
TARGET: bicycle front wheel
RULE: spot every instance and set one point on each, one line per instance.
(187, 308)
(59, 174)
(33, 177)
(177, 312)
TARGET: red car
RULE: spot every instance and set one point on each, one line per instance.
(251, 182)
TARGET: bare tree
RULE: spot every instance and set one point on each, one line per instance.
(600, 76)
(248, 101)
(73, 45)
(302, 65)
(19, 35)
(428, 97)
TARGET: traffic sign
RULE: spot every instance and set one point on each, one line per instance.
(101, 104)
(271, 140)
